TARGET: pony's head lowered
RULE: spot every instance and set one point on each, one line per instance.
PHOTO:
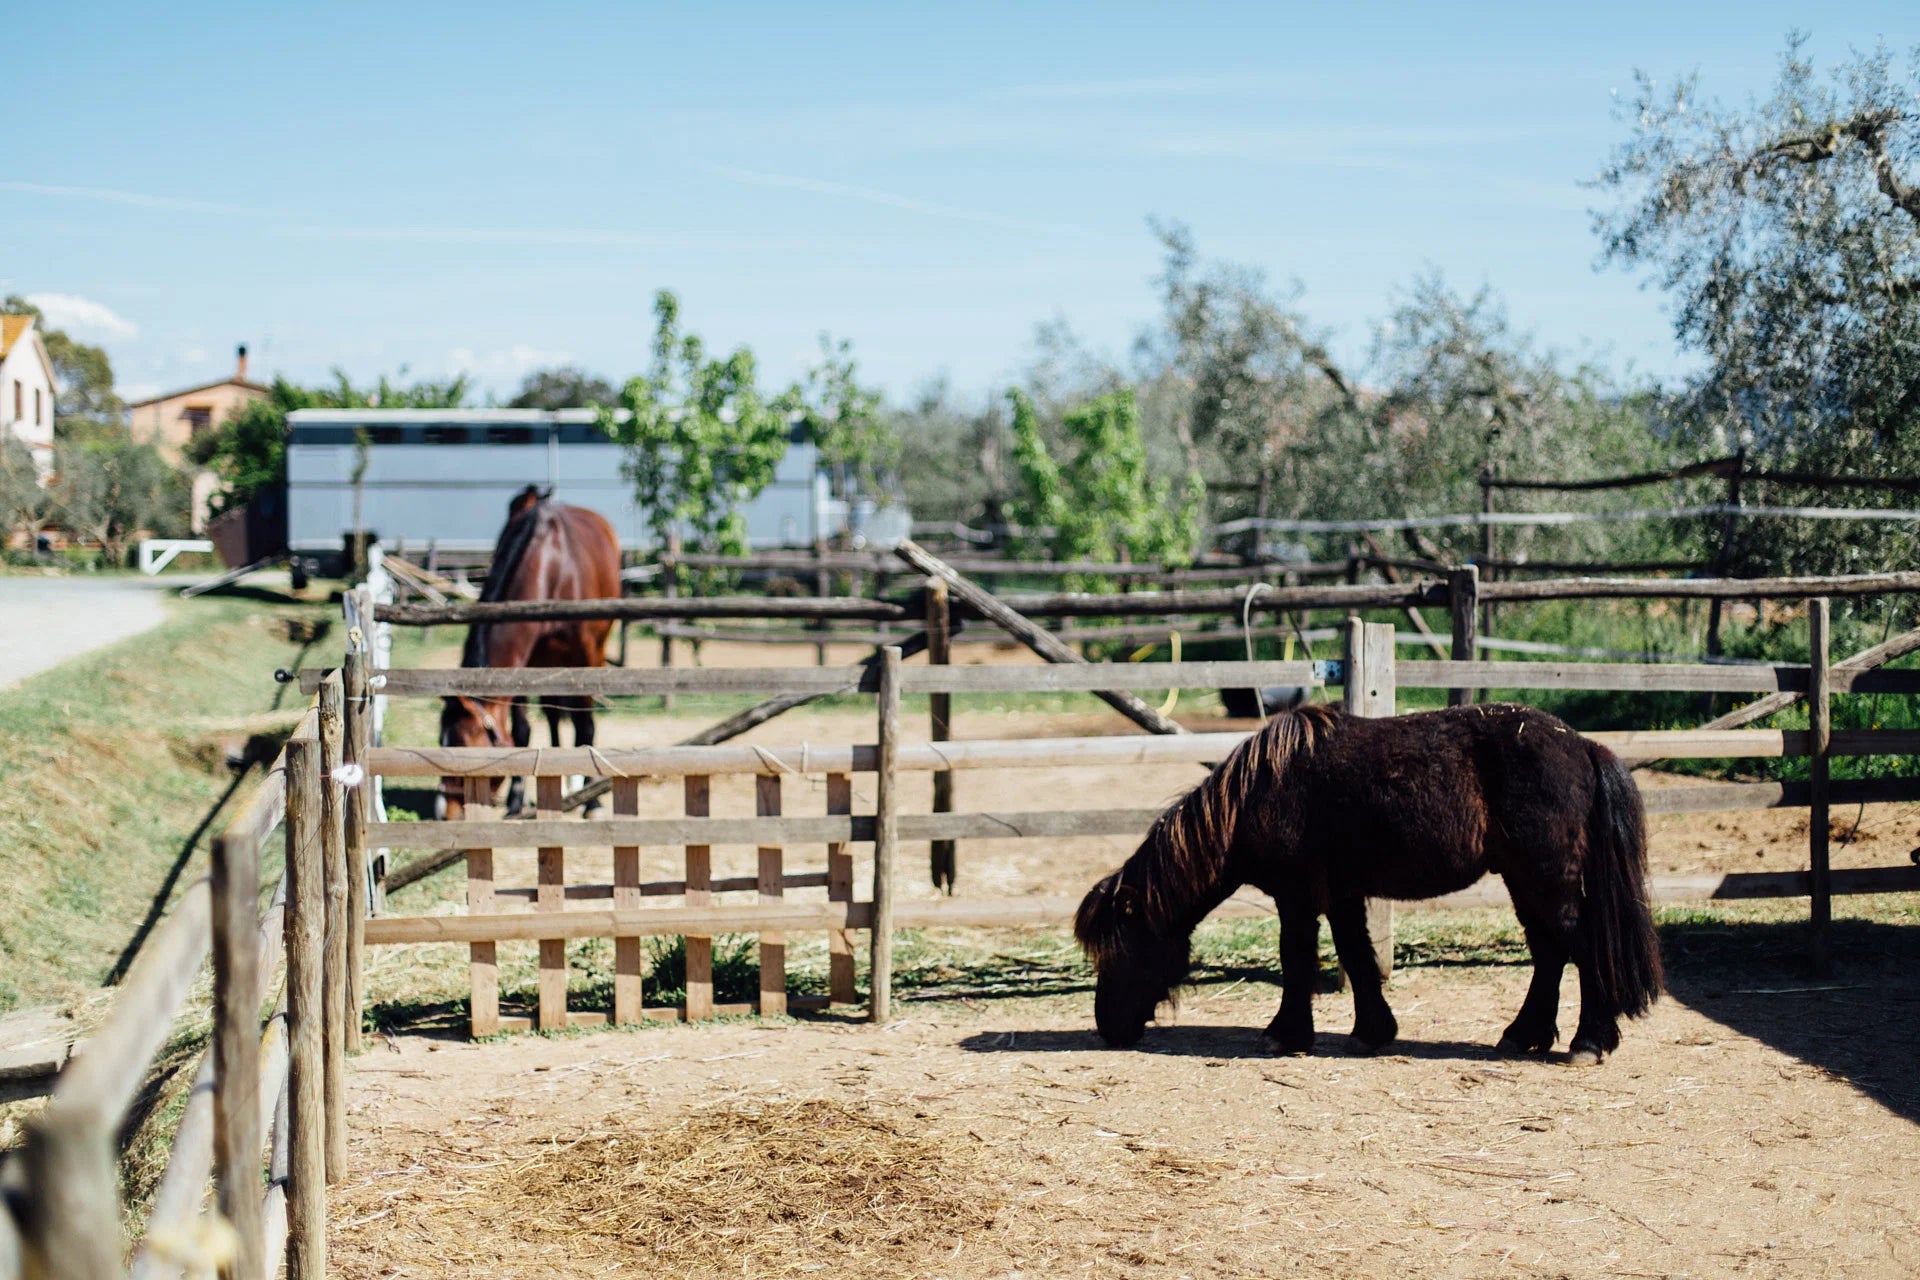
(1136, 925)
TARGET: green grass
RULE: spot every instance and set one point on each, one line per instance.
(107, 763)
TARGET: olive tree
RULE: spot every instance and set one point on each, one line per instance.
(1786, 232)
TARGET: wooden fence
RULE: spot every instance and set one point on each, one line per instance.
(1369, 674)
(265, 1099)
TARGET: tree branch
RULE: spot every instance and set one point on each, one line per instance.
(1870, 131)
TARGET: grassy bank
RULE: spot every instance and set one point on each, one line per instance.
(109, 764)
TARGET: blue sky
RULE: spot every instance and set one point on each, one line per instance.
(489, 187)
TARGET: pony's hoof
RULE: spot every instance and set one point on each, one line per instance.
(1582, 1055)
(1360, 1047)
(1514, 1046)
(1287, 1046)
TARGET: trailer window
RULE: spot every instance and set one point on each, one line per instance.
(387, 435)
(509, 435)
(446, 435)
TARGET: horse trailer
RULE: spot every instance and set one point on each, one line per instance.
(442, 477)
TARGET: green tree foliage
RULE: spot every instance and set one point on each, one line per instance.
(1452, 391)
(248, 451)
(951, 457)
(858, 443)
(24, 502)
(114, 492)
(1232, 368)
(1787, 233)
(701, 438)
(84, 403)
(564, 387)
(1099, 501)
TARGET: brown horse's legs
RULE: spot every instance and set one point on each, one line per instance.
(1537, 1025)
(1374, 1026)
(1599, 1031)
(1291, 1030)
(583, 737)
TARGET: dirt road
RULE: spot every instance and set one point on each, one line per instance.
(45, 621)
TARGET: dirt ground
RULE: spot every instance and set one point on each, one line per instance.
(1758, 1123)
(1700, 1149)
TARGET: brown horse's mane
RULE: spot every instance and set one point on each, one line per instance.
(508, 552)
(1185, 852)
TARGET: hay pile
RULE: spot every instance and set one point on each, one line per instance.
(782, 1187)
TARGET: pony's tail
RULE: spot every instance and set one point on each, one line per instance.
(1615, 910)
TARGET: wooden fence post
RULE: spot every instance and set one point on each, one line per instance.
(886, 835)
(334, 850)
(357, 712)
(1463, 590)
(1820, 740)
(670, 588)
(551, 895)
(1486, 544)
(840, 988)
(236, 1048)
(698, 949)
(303, 923)
(771, 882)
(945, 857)
(628, 993)
(483, 959)
(1368, 690)
(72, 1229)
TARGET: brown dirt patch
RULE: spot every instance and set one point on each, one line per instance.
(1740, 1131)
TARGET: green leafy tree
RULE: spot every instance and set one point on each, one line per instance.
(1100, 501)
(857, 441)
(115, 492)
(701, 439)
(25, 505)
(564, 387)
(952, 457)
(248, 451)
(1787, 233)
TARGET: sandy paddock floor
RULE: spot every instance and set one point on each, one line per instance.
(1758, 1123)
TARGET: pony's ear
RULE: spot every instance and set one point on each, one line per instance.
(1126, 899)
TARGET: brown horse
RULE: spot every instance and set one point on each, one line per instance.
(547, 551)
(1322, 811)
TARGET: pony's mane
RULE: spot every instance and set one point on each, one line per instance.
(1185, 851)
(508, 552)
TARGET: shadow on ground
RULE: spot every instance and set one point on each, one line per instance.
(1860, 1025)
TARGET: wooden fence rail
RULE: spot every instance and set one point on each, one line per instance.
(1232, 601)
(1369, 675)
(65, 1210)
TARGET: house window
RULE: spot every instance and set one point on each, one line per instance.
(18, 395)
(38, 420)
(199, 420)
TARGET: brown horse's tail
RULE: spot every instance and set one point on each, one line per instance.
(1615, 910)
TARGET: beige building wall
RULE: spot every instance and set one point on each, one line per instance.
(171, 422)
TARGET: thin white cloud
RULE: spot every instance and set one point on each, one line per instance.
(141, 200)
(512, 363)
(1356, 144)
(83, 316)
(1198, 86)
(589, 237)
(873, 195)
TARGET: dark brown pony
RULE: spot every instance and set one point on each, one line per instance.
(1322, 811)
(547, 551)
